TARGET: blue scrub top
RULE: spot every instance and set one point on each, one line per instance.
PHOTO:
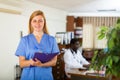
(27, 47)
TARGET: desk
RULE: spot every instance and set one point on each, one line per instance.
(81, 75)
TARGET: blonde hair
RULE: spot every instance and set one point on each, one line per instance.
(36, 13)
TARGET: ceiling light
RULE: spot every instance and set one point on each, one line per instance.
(106, 10)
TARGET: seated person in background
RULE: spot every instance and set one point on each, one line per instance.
(73, 57)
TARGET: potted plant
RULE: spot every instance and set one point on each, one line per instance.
(109, 57)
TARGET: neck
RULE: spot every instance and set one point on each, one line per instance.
(39, 34)
(74, 50)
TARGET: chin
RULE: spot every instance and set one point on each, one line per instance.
(38, 30)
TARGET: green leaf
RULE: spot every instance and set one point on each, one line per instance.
(101, 36)
(110, 43)
(109, 61)
(102, 33)
(113, 33)
(116, 59)
(95, 55)
(105, 28)
(118, 21)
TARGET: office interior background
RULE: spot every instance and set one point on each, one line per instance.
(14, 16)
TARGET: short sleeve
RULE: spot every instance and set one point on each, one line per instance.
(55, 46)
(21, 48)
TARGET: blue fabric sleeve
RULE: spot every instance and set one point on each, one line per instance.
(55, 47)
(21, 48)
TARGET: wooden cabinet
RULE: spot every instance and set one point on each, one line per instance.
(70, 23)
(75, 25)
(79, 22)
(58, 70)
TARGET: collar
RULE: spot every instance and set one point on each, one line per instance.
(73, 52)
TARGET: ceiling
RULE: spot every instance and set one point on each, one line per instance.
(77, 6)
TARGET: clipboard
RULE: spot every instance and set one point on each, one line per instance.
(44, 57)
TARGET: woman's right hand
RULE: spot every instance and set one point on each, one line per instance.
(26, 63)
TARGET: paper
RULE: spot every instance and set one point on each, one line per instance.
(44, 57)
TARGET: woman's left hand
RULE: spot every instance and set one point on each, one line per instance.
(37, 62)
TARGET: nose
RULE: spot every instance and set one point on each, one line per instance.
(37, 23)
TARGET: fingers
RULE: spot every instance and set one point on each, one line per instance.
(37, 62)
(31, 62)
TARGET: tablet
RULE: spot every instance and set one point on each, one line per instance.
(44, 57)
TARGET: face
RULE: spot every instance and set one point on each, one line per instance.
(76, 45)
(37, 23)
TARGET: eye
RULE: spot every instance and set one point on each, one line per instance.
(34, 21)
(41, 20)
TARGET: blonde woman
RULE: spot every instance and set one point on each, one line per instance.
(38, 40)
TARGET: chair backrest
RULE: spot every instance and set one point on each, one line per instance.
(18, 72)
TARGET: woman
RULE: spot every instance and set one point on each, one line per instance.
(38, 40)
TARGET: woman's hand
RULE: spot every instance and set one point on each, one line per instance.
(27, 63)
(37, 62)
(31, 61)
